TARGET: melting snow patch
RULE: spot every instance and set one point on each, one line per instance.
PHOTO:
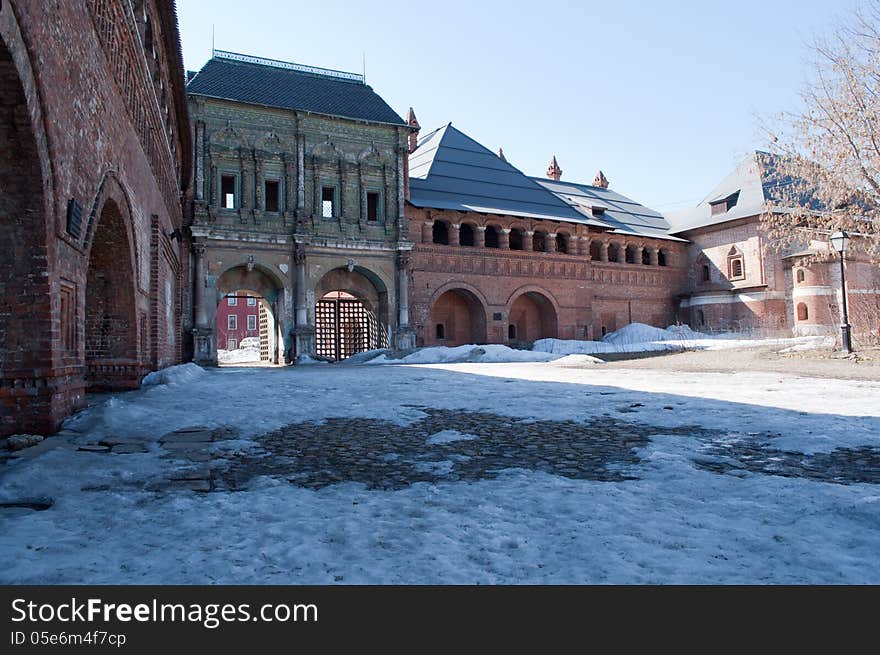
(179, 374)
(448, 436)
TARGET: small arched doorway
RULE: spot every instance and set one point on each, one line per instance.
(457, 318)
(247, 325)
(531, 317)
(111, 331)
(351, 313)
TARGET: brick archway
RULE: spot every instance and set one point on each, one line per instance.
(351, 313)
(111, 329)
(531, 315)
(458, 317)
(26, 326)
(266, 289)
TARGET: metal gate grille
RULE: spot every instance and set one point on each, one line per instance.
(344, 327)
(264, 333)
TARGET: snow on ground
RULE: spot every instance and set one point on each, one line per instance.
(180, 374)
(638, 337)
(239, 355)
(488, 353)
(676, 523)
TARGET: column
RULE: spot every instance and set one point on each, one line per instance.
(203, 341)
(428, 232)
(259, 175)
(639, 253)
(300, 177)
(404, 335)
(480, 236)
(215, 183)
(453, 234)
(503, 238)
(289, 170)
(200, 161)
(652, 255)
(303, 333)
(551, 242)
(528, 240)
(201, 318)
(603, 253)
(584, 246)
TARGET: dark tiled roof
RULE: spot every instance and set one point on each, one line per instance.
(276, 86)
(449, 170)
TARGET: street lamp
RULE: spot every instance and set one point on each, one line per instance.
(839, 241)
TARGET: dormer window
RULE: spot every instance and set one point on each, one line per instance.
(724, 205)
(598, 211)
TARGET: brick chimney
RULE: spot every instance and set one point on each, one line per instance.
(413, 123)
(553, 171)
(600, 180)
(501, 154)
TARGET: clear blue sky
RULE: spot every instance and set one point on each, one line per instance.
(662, 96)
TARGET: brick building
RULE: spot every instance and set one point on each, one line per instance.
(736, 281)
(95, 159)
(298, 201)
(501, 257)
(238, 317)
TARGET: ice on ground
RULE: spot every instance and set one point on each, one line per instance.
(816, 342)
(449, 436)
(307, 360)
(180, 374)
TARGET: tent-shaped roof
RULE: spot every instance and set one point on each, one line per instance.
(449, 170)
(258, 81)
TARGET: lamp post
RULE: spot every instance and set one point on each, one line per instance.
(839, 241)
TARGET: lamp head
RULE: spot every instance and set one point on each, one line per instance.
(839, 241)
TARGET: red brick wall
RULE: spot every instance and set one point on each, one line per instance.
(90, 118)
(567, 295)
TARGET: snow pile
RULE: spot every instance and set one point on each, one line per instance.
(366, 356)
(239, 356)
(641, 333)
(180, 374)
(250, 342)
(485, 354)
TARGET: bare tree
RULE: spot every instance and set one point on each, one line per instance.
(826, 156)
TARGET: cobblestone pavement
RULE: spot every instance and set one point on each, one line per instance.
(452, 445)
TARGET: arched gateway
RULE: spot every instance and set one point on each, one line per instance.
(351, 313)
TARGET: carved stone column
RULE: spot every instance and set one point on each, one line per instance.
(200, 161)
(258, 167)
(300, 176)
(529, 240)
(603, 253)
(290, 198)
(453, 234)
(551, 242)
(303, 333)
(639, 252)
(652, 256)
(404, 336)
(504, 238)
(481, 236)
(203, 333)
(215, 183)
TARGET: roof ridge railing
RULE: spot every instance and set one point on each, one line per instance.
(276, 63)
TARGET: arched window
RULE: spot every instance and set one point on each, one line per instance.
(595, 251)
(466, 235)
(661, 257)
(516, 239)
(440, 331)
(511, 331)
(630, 254)
(800, 275)
(802, 313)
(539, 242)
(440, 233)
(646, 256)
(705, 273)
(736, 269)
(562, 242)
(613, 252)
(491, 236)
